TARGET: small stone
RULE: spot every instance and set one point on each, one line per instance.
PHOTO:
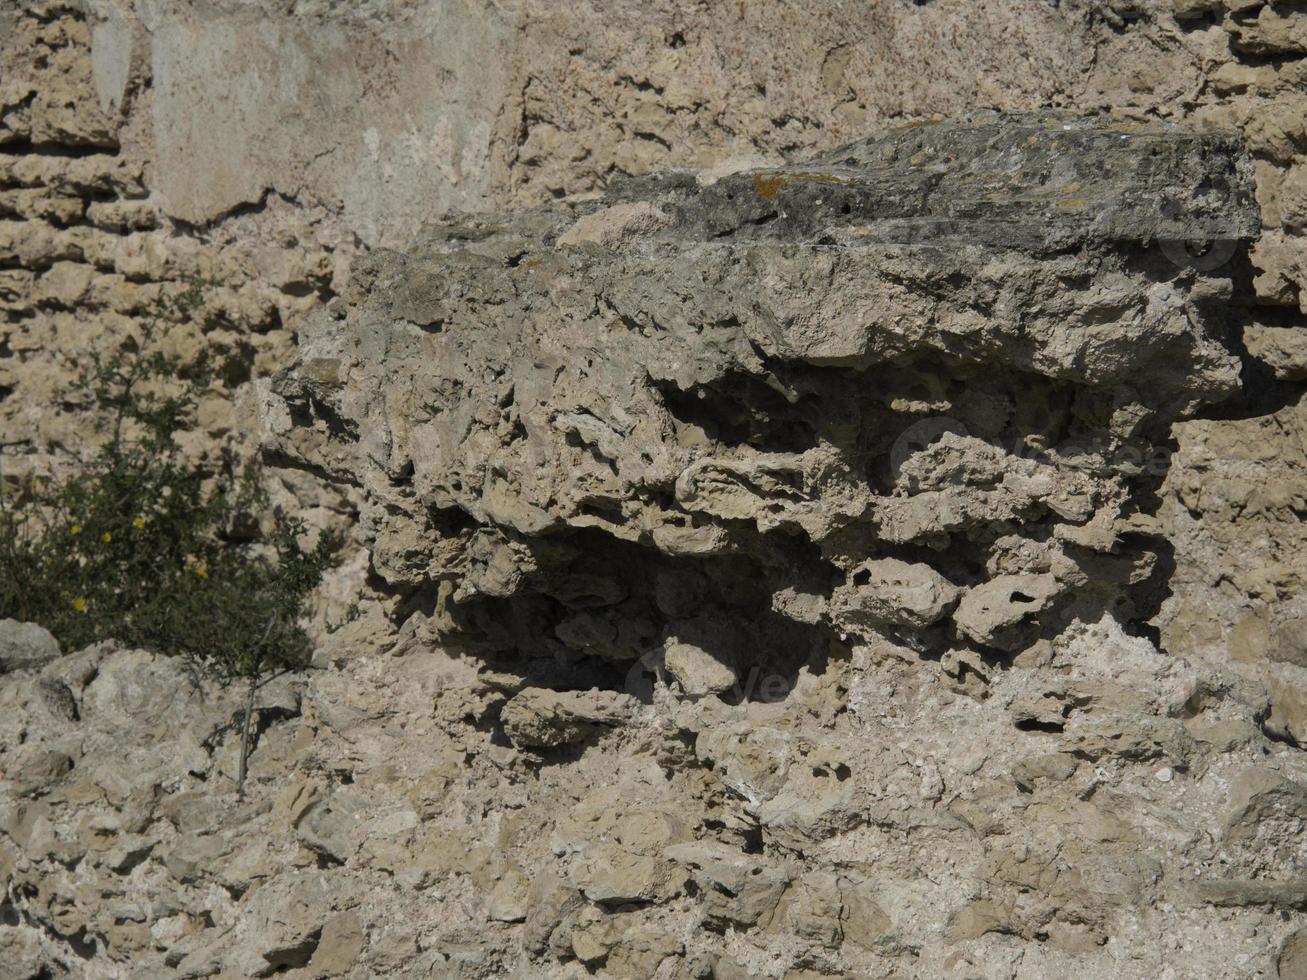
(24, 646)
(287, 918)
(508, 900)
(37, 770)
(1249, 892)
(341, 942)
(1188, 9)
(127, 853)
(1288, 717)
(331, 826)
(1055, 767)
(193, 856)
(1288, 641)
(395, 823)
(973, 920)
(698, 670)
(640, 951)
(865, 923)
(610, 873)
(888, 591)
(739, 889)
(588, 947)
(539, 718)
(295, 801)
(65, 284)
(1258, 797)
(993, 610)
(615, 226)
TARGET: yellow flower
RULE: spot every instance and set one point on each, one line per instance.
(79, 604)
(201, 569)
(106, 537)
(139, 523)
(75, 529)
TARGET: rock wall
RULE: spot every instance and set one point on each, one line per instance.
(1105, 812)
(90, 256)
(898, 805)
(256, 146)
(922, 380)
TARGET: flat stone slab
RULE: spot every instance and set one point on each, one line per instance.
(1031, 181)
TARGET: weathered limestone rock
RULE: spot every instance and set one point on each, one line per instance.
(842, 397)
(1292, 961)
(740, 891)
(888, 591)
(835, 827)
(543, 719)
(703, 656)
(286, 919)
(510, 901)
(1283, 349)
(25, 645)
(1098, 773)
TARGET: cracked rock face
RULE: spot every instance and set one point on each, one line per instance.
(920, 387)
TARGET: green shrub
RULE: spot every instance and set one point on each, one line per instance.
(139, 546)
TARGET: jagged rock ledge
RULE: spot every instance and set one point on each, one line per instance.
(919, 388)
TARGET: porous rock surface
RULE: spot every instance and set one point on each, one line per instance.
(705, 439)
(915, 388)
(1105, 811)
(929, 803)
(372, 117)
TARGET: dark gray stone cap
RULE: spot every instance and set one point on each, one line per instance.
(1013, 181)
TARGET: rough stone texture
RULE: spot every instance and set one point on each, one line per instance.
(90, 255)
(918, 799)
(544, 719)
(764, 413)
(1151, 827)
(25, 645)
(112, 191)
(391, 111)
